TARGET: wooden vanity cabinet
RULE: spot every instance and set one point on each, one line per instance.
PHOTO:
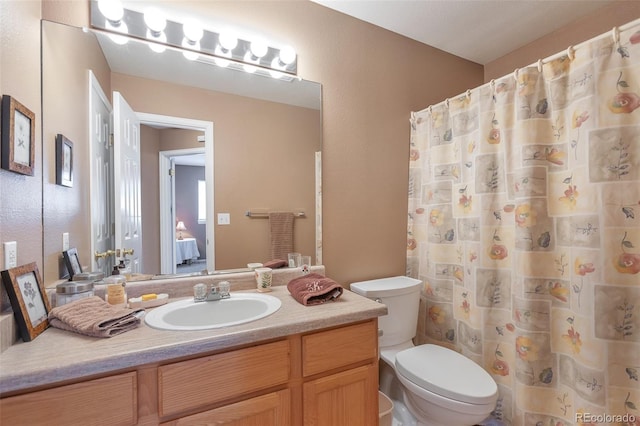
(327, 377)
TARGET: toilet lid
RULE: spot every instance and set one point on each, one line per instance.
(446, 373)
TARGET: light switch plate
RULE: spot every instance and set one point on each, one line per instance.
(224, 219)
(65, 241)
(10, 254)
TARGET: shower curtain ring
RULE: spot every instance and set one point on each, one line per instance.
(468, 94)
(571, 53)
(515, 74)
(446, 102)
(615, 33)
(539, 66)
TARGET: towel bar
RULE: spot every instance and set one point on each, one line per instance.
(263, 215)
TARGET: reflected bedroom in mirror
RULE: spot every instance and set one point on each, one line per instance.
(170, 156)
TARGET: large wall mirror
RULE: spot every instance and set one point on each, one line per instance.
(254, 139)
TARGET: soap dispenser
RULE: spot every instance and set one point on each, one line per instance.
(124, 269)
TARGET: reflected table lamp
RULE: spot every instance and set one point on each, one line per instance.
(180, 227)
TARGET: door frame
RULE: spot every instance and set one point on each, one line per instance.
(167, 213)
(168, 200)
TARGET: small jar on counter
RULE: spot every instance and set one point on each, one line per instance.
(73, 290)
(114, 291)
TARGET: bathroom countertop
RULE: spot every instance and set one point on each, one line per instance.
(58, 356)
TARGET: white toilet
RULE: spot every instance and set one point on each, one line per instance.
(438, 386)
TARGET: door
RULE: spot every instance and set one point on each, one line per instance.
(128, 209)
(101, 178)
(352, 396)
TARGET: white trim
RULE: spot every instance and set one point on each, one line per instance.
(167, 215)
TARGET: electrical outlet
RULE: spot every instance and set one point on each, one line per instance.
(224, 219)
(10, 254)
(65, 241)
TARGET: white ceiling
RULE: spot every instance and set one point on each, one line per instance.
(477, 30)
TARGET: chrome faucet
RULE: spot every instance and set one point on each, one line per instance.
(214, 293)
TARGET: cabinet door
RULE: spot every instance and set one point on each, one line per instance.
(107, 401)
(266, 410)
(349, 398)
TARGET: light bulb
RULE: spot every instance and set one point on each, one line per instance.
(287, 55)
(121, 28)
(249, 68)
(228, 41)
(155, 20)
(192, 56)
(111, 9)
(160, 41)
(276, 74)
(193, 30)
(223, 63)
(259, 48)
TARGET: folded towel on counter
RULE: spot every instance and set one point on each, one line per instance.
(275, 264)
(314, 289)
(94, 317)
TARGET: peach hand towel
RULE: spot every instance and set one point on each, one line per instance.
(314, 289)
(94, 317)
(275, 264)
(281, 227)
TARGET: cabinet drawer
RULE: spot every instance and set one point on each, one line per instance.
(272, 409)
(107, 401)
(339, 347)
(195, 383)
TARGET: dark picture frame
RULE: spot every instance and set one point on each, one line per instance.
(28, 299)
(64, 161)
(72, 262)
(18, 137)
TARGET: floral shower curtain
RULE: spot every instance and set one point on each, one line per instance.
(524, 225)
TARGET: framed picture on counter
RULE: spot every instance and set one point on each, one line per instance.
(28, 299)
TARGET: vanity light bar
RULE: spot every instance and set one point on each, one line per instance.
(203, 45)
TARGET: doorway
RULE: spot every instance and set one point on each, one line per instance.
(167, 229)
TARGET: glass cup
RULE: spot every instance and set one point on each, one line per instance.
(199, 292)
(305, 263)
(294, 260)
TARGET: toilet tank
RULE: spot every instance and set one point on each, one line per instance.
(401, 295)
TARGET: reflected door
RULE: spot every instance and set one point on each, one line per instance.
(128, 209)
(101, 154)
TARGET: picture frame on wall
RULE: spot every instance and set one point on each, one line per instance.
(18, 137)
(64, 161)
(28, 299)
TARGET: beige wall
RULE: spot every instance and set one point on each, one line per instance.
(616, 14)
(150, 139)
(21, 195)
(371, 80)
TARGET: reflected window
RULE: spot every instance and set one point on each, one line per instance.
(202, 202)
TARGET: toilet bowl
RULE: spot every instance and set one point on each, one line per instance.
(437, 385)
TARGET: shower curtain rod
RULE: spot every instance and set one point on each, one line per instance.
(614, 33)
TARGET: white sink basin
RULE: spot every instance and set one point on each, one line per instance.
(186, 314)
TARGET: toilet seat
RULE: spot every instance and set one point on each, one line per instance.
(446, 373)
